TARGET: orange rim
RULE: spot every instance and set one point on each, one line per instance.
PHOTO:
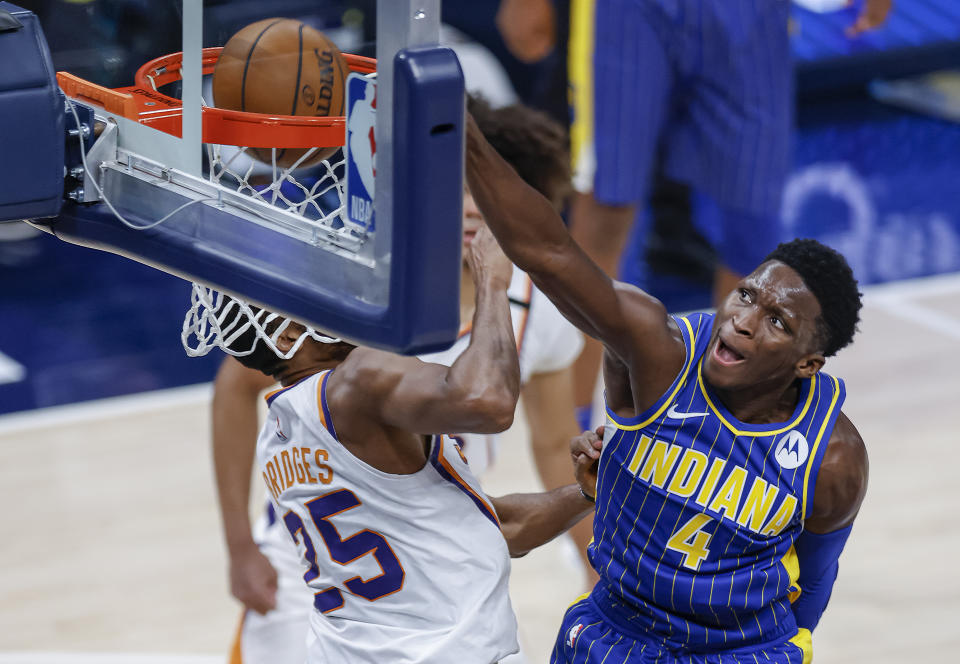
(143, 103)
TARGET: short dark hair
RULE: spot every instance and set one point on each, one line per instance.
(829, 277)
(530, 141)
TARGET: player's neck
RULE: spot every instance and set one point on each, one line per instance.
(310, 360)
(763, 403)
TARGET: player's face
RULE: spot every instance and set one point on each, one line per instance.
(472, 219)
(765, 331)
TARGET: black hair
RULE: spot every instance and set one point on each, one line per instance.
(829, 277)
(530, 141)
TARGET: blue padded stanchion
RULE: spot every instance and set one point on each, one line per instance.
(31, 120)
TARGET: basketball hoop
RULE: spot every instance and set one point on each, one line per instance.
(315, 195)
(229, 134)
(154, 175)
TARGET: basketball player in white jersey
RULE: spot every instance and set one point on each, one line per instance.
(264, 568)
(406, 558)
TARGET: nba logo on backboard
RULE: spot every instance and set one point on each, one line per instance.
(361, 149)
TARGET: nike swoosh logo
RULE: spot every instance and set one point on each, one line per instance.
(672, 413)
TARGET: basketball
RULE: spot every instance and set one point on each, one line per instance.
(281, 66)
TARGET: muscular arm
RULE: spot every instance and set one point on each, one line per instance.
(841, 480)
(477, 393)
(234, 418)
(633, 325)
(841, 486)
(529, 520)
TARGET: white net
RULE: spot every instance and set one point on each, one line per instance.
(316, 193)
(311, 189)
(216, 320)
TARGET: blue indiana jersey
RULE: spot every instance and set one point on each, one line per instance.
(697, 512)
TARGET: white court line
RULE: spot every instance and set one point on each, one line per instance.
(938, 285)
(915, 313)
(900, 299)
(104, 658)
(77, 413)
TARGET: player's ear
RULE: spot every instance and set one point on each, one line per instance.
(808, 365)
(289, 336)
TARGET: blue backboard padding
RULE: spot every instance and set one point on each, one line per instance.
(31, 123)
(919, 36)
(419, 314)
(427, 194)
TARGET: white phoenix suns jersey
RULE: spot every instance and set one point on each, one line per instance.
(546, 342)
(402, 568)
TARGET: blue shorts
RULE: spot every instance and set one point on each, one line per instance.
(702, 89)
(587, 637)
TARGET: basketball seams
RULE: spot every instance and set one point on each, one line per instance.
(260, 61)
(246, 64)
(296, 87)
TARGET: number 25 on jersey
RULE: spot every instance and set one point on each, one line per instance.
(345, 551)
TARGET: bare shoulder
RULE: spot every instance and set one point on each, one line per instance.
(657, 352)
(651, 326)
(841, 480)
(366, 373)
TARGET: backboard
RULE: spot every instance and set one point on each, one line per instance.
(160, 184)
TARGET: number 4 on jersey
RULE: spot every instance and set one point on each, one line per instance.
(692, 542)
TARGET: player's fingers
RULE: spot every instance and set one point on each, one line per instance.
(260, 600)
(585, 444)
(261, 606)
(598, 440)
(584, 460)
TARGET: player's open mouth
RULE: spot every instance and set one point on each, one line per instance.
(725, 355)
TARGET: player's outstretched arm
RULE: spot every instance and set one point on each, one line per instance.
(529, 520)
(839, 492)
(631, 323)
(478, 393)
(253, 580)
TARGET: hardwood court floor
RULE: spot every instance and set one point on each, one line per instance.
(112, 548)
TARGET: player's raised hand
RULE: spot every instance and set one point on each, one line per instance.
(487, 261)
(585, 451)
(253, 580)
(872, 15)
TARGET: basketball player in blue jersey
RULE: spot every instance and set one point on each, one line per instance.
(729, 477)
